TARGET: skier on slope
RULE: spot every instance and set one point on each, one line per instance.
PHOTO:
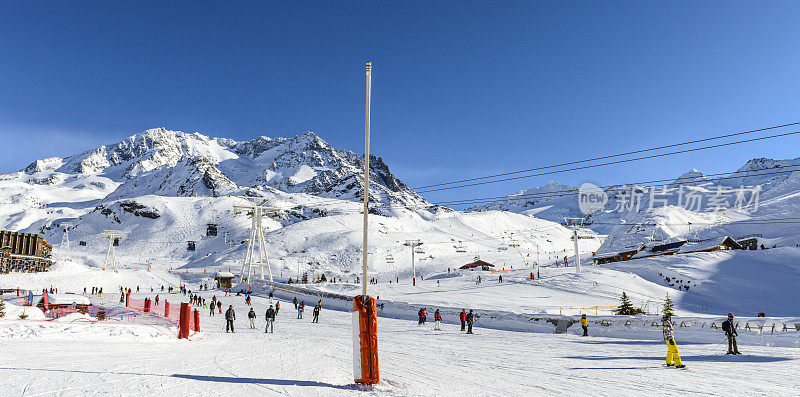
(270, 319)
(584, 325)
(315, 319)
(300, 308)
(437, 317)
(213, 304)
(470, 321)
(730, 332)
(673, 356)
(463, 317)
(230, 315)
(277, 307)
(295, 303)
(252, 316)
(421, 315)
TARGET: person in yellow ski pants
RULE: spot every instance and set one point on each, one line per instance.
(673, 357)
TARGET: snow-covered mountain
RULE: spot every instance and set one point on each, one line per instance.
(174, 163)
(161, 188)
(692, 206)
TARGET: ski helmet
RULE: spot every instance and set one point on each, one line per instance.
(730, 314)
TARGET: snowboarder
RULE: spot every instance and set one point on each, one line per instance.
(463, 317)
(270, 319)
(584, 325)
(437, 317)
(213, 304)
(730, 332)
(252, 316)
(230, 315)
(470, 321)
(673, 356)
(315, 319)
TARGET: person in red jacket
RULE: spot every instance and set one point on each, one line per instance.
(463, 318)
(437, 317)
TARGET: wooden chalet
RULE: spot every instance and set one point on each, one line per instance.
(617, 256)
(224, 279)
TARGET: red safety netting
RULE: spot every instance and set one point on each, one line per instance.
(165, 309)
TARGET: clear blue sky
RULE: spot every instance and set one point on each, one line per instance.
(460, 89)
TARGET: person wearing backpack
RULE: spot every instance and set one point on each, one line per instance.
(731, 334)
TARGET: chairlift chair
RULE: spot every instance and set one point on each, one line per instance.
(419, 250)
(211, 230)
(460, 247)
(190, 246)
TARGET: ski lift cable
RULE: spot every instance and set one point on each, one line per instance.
(786, 169)
(614, 155)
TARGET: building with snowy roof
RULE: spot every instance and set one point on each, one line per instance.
(478, 263)
(224, 279)
(618, 256)
(64, 301)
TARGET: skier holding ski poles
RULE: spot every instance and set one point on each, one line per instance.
(673, 356)
(730, 332)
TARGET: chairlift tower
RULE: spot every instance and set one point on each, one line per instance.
(256, 210)
(65, 237)
(413, 244)
(111, 255)
(575, 224)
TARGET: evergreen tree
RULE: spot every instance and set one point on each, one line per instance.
(290, 280)
(668, 305)
(2, 308)
(625, 307)
(322, 278)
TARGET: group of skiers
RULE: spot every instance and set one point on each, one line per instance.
(301, 307)
(668, 332)
(270, 315)
(467, 319)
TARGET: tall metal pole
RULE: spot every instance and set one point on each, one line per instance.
(577, 252)
(413, 264)
(366, 180)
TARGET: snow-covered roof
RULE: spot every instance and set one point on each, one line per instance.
(685, 247)
(612, 254)
(224, 275)
(710, 244)
(67, 299)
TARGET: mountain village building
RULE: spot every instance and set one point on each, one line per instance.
(24, 253)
